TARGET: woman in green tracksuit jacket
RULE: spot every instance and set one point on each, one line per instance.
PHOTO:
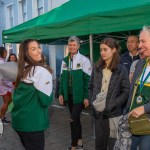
(32, 95)
(75, 74)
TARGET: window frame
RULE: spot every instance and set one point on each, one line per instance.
(9, 15)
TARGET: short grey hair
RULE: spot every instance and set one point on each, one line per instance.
(74, 39)
(146, 28)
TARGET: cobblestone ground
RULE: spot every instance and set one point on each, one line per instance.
(57, 136)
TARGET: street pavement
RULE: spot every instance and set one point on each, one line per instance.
(57, 136)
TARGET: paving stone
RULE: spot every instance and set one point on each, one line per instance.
(57, 136)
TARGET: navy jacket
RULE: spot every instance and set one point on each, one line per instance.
(127, 60)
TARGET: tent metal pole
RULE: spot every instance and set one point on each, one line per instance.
(91, 48)
(91, 58)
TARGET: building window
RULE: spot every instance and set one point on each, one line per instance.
(40, 7)
(23, 10)
(10, 16)
(9, 48)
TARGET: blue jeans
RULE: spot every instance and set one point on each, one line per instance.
(143, 141)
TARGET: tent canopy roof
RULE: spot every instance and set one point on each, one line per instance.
(78, 18)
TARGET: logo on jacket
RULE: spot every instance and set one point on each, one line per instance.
(47, 82)
(78, 65)
(125, 63)
(64, 66)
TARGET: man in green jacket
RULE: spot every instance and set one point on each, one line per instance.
(75, 74)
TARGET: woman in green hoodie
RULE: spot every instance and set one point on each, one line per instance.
(32, 95)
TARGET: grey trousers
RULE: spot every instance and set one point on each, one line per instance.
(102, 140)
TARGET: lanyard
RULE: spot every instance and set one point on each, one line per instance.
(70, 64)
(142, 82)
(139, 97)
(70, 69)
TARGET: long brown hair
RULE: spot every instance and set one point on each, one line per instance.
(25, 62)
(112, 43)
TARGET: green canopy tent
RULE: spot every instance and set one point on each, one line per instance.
(78, 17)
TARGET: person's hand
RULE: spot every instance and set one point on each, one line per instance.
(96, 114)
(86, 103)
(61, 99)
(137, 112)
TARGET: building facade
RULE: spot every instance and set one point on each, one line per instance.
(15, 12)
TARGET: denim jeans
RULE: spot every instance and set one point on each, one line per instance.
(141, 141)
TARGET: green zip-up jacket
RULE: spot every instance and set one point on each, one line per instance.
(31, 100)
(80, 72)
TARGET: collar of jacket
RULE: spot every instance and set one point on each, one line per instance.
(66, 59)
(138, 70)
(127, 54)
(3, 59)
(114, 72)
(74, 56)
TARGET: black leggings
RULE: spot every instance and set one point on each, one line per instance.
(75, 124)
(32, 140)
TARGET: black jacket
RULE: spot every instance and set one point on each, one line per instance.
(118, 91)
(127, 60)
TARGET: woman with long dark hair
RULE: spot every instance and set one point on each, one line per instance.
(108, 93)
(32, 95)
